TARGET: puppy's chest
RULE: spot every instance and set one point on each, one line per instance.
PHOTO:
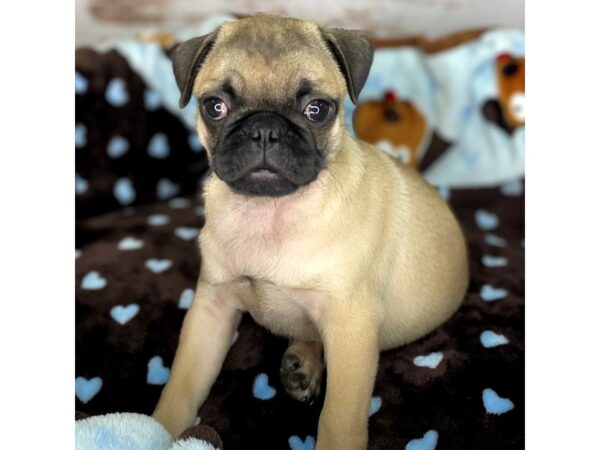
(287, 311)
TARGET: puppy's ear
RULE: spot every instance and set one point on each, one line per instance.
(354, 55)
(187, 59)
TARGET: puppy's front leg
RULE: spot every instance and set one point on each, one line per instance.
(350, 333)
(204, 340)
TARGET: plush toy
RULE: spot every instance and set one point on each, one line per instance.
(510, 75)
(132, 431)
(395, 126)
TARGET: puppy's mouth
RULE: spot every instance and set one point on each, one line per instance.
(263, 181)
(263, 174)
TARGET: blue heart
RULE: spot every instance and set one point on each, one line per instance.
(123, 314)
(166, 189)
(186, 299)
(117, 147)
(158, 147)
(513, 188)
(186, 233)
(194, 142)
(432, 360)
(116, 93)
(81, 84)
(81, 185)
(490, 339)
(85, 389)
(130, 243)
(375, 405)
(494, 404)
(80, 135)
(158, 265)
(157, 373)
(486, 220)
(490, 294)
(427, 442)
(297, 444)
(493, 261)
(124, 191)
(93, 281)
(492, 239)
(157, 220)
(261, 388)
(151, 100)
(179, 203)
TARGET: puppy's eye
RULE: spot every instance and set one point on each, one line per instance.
(318, 111)
(215, 108)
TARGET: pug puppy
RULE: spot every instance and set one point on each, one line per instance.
(321, 238)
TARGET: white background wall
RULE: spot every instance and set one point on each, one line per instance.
(99, 20)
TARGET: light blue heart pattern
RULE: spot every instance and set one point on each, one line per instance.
(158, 265)
(261, 389)
(298, 444)
(489, 339)
(81, 185)
(117, 147)
(158, 147)
(486, 220)
(186, 299)
(179, 203)
(157, 220)
(85, 389)
(158, 374)
(194, 142)
(186, 233)
(427, 442)
(81, 84)
(494, 404)
(123, 314)
(116, 92)
(130, 243)
(490, 294)
(93, 281)
(375, 405)
(166, 189)
(493, 261)
(80, 135)
(494, 240)
(124, 191)
(432, 360)
(151, 100)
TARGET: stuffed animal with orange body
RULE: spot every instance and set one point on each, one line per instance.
(395, 126)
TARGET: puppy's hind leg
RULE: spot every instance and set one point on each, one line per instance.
(301, 370)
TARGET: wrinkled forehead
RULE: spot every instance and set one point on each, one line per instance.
(270, 63)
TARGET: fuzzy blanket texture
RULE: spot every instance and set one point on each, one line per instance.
(139, 171)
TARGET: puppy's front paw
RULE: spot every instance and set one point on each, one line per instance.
(301, 375)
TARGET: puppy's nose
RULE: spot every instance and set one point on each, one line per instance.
(266, 129)
(265, 136)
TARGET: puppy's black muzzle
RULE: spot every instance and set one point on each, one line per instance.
(266, 154)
